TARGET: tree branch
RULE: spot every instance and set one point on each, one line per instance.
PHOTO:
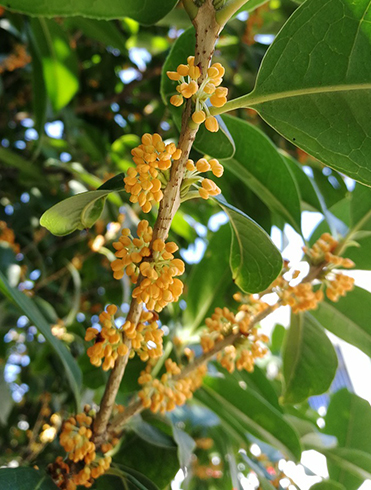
(207, 31)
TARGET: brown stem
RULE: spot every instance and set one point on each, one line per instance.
(207, 31)
(136, 405)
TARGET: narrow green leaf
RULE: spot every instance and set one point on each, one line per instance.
(260, 166)
(314, 84)
(25, 479)
(220, 144)
(328, 485)
(27, 169)
(40, 100)
(348, 466)
(29, 308)
(258, 417)
(7, 401)
(209, 279)
(349, 318)
(80, 211)
(101, 30)
(186, 446)
(254, 259)
(59, 61)
(146, 12)
(309, 360)
(305, 185)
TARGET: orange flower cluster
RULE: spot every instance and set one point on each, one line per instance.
(7, 235)
(338, 285)
(187, 77)
(18, 59)
(242, 354)
(301, 297)
(192, 177)
(109, 342)
(76, 439)
(151, 158)
(323, 251)
(146, 337)
(159, 286)
(165, 394)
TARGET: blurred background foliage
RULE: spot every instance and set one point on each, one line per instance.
(76, 95)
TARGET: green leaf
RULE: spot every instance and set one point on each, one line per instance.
(6, 398)
(136, 451)
(260, 166)
(348, 466)
(80, 211)
(277, 338)
(186, 446)
(101, 30)
(254, 259)
(146, 12)
(309, 360)
(328, 485)
(209, 279)
(59, 61)
(314, 84)
(348, 418)
(360, 209)
(40, 100)
(29, 308)
(25, 479)
(26, 169)
(135, 477)
(220, 144)
(349, 318)
(257, 416)
(305, 185)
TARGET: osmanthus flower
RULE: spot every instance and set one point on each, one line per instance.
(189, 87)
(76, 437)
(146, 337)
(109, 342)
(164, 394)
(324, 253)
(223, 322)
(160, 285)
(193, 177)
(152, 159)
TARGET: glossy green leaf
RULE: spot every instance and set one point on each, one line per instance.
(220, 144)
(360, 209)
(258, 417)
(254, 259)
(59, 61)
(349, 318)
(314, 84)
(209, 279)
(260, 166)
(309, 360)
(328, 485)
(80, 211)
(29, 308)
(146, 12)
(25, 479)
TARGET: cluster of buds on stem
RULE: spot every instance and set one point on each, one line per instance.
(76, 438)
(146, 337)
(188, 87)
(159, 286)
(248, 347)
(109, 342)
(164, 394)
(324, 253)
(192, 177)
(152, 159)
